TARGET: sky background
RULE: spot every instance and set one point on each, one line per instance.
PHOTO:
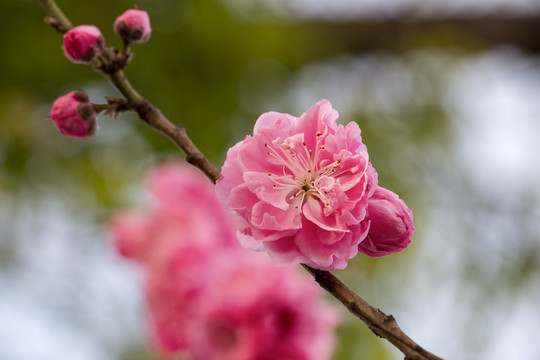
(448, 107)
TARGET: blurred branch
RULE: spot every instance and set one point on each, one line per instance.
(472, 34)
(381, 324)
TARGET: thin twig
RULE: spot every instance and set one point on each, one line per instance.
(379, 323)
(60, 21)
(177, 134)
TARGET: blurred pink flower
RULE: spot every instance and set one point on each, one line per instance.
(133, 26)
(209, 297)
(184, 211)
(174, 242)
(264, 312)
(74, 115)
(299, 188)
(83, 43)
(391, 225)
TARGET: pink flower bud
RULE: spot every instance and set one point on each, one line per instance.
(74, 115)
(133, 26)
(391, 224)
(83, 43)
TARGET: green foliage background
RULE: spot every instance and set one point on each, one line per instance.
(215, 72)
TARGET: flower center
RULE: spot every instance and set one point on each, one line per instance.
(302, 172)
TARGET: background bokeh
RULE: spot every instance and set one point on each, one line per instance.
(446, 94)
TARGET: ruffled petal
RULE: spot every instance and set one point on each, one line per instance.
(231, 174)
(272, 125)
(266, 217)
(316, 123)
(284, 252)
(313, 211)
(317, 253)
(249, 242)
(264, 186)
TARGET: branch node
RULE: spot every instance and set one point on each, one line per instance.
(192, 159)
(353, 307)
(115, 106)
(56, 24)
(386, 318)
(112, 60)
(144, 109)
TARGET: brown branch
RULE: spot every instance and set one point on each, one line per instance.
(177, 134)
(380, 324)
(466, 33)
(146, 111)
(157, 121)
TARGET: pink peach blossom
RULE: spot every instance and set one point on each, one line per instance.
(83, 43)
(299, 188)
(74, 115)
(208, 297)
(133, 26)
(391, 225)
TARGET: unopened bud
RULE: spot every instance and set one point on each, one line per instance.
(391, 225)
(83, 43)
(74, 115)
(133, 26)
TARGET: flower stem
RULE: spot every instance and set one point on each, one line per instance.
(100, 107)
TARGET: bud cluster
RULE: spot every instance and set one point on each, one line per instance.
(83, 43)
(73, 113)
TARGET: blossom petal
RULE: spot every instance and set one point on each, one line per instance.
(253, 155)
(249, 242)
(284, 252)
(264, 186)
(315, 252)
(314, 211)
(231, 174)
(317, 122)
(273, 125)
(265, 216)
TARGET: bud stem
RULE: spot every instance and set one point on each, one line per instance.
(124, 86)
(54, 11)
(100, 107)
